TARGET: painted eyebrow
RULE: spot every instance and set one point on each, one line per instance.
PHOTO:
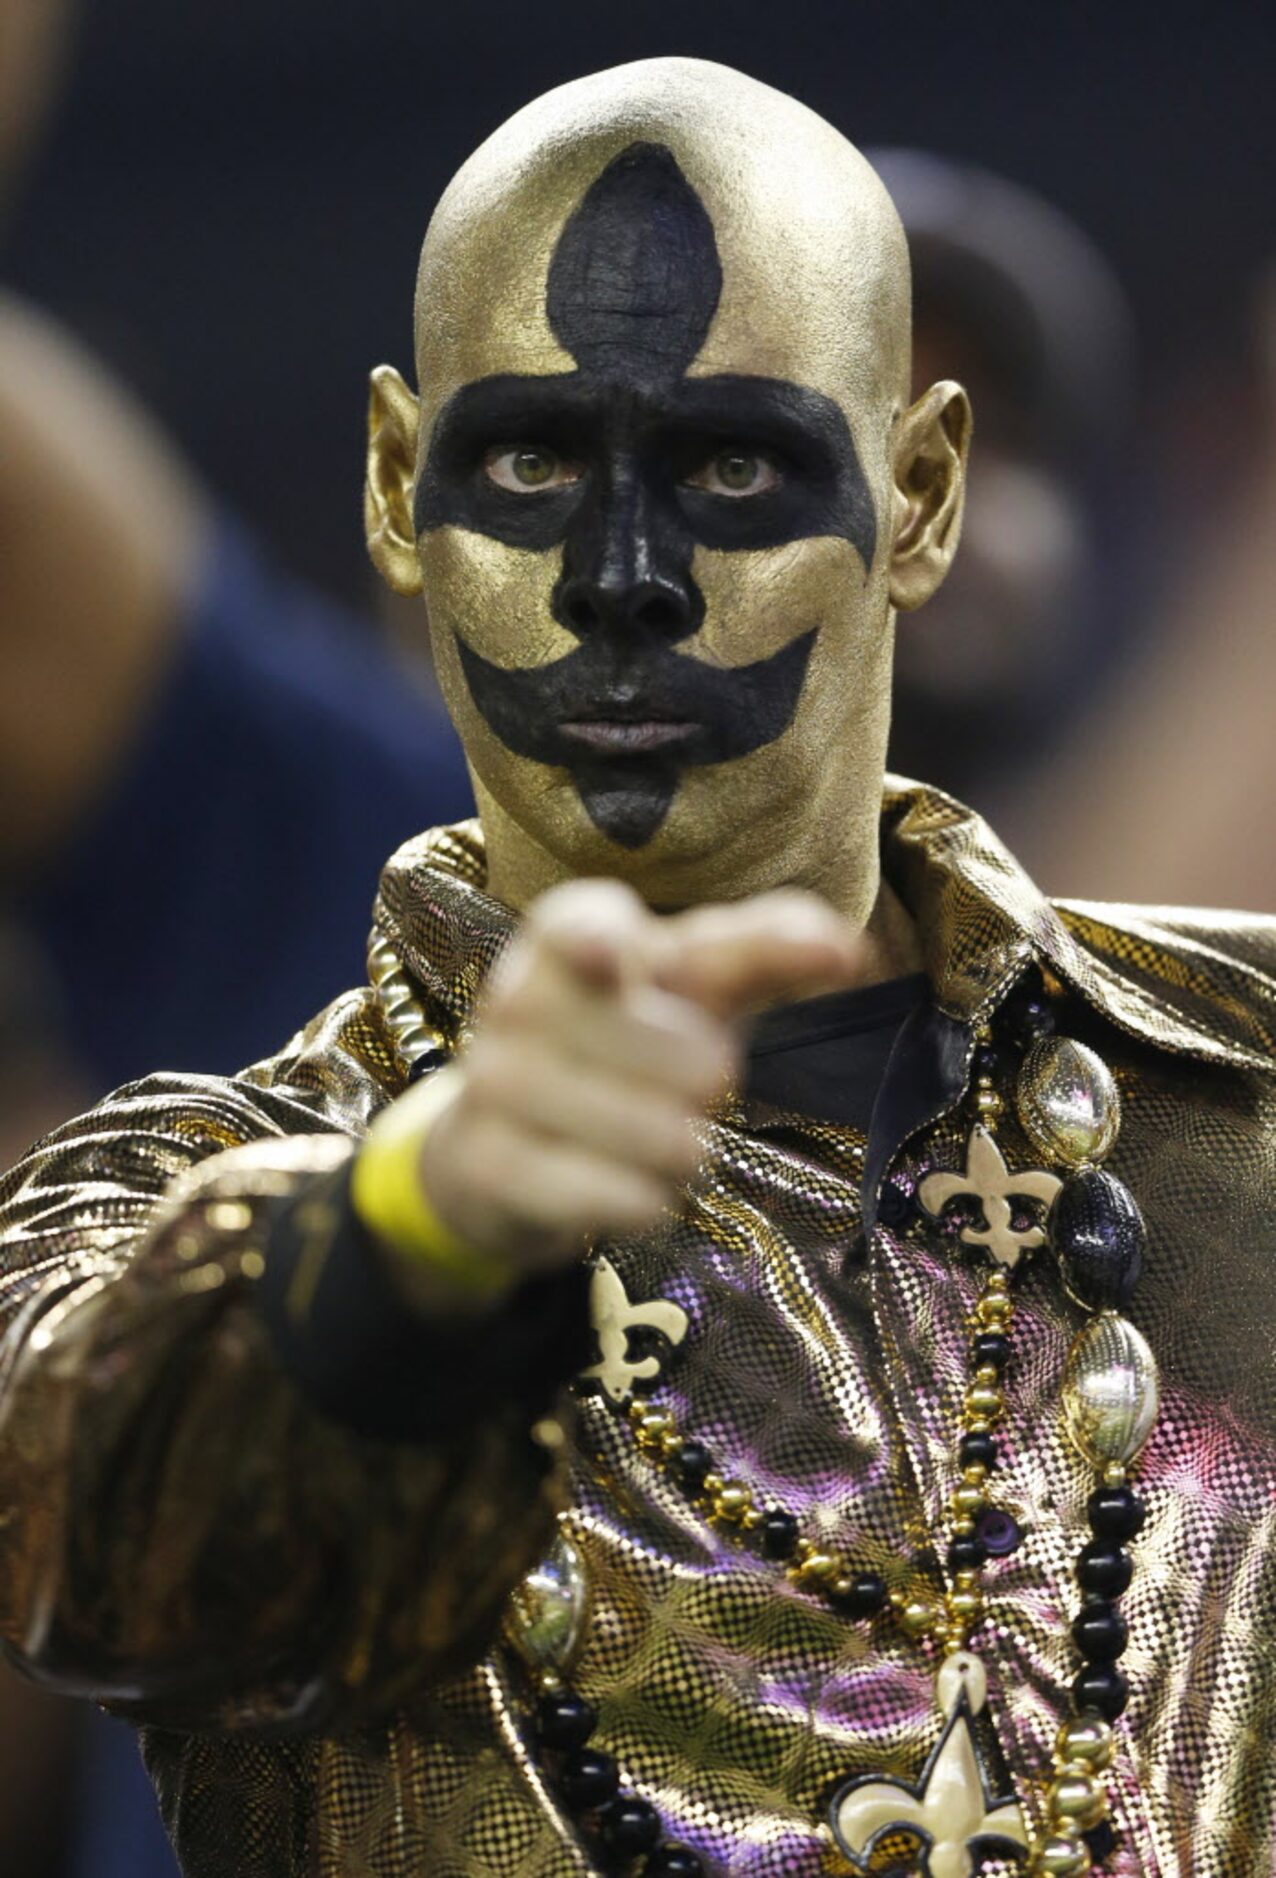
(509, 408)
(789, 417)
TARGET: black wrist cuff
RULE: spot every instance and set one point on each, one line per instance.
(366, 1358)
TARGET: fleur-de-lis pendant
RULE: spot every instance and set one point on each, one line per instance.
(988, 1180)
(613, 1317)
(947, 1824)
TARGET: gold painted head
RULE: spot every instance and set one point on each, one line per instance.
(663, 489)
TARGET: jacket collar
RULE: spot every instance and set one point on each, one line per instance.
(1177, 981)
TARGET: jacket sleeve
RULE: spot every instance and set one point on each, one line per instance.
(186, 1531)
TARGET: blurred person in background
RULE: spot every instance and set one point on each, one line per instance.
(1010, 297)
(144, 634)
(1111, 716)
(40, 1736)
(145, 638)
(1167, 777)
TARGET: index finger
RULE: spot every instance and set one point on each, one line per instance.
(769, 949)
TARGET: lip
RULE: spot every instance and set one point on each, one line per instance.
(628, 736)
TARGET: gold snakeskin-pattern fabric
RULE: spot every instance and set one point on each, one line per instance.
(285, 1606)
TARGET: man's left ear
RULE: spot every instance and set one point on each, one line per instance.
(930, 492)
(393, 419)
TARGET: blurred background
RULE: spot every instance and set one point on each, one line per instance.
(212, 728)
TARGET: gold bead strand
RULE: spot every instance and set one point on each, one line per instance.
(989, 1105)
(734, 1504)
(982, 1407)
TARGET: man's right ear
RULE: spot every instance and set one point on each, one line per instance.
(393, 418)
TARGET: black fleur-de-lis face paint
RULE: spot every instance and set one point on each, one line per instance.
(628, 475)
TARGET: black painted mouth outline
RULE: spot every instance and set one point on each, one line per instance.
(729, 711)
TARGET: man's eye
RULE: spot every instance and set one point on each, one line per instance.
(737, 472)
(528, 467)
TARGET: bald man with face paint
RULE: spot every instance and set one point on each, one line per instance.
(561, 1414)
(712, 498)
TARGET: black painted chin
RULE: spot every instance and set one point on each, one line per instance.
(728, 711)
(627, 801)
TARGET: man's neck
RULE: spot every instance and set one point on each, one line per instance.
(849, 878)
(892, 944)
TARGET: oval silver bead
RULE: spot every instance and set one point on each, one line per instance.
(547, 1611)
(1111, 1391)
(1067, 1101)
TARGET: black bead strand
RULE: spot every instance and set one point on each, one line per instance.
(1115, 1513)
(977, 1450)
(1100, 1841)
(967, 1554)
(587, 1779)
(779, 1532)
(629, 1826)
(674, 1861)
(1100, 1632)
(691, 1464)
(991, 1347)
(865, 1598)
(564, 1721)
(989, 1062)
(1027, 1015)
(1101, 1687)
(1103, 1569)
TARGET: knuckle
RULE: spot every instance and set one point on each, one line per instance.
(519, 1164)
(525, 1003)
(481, 1151)
(515, 1081)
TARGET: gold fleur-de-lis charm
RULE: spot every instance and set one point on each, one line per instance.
(613, 1317)
(948, 1820)
(988, 1180)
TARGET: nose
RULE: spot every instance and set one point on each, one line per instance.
(659, 604)
(627, 567)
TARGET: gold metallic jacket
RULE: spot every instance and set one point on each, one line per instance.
(306, 1622)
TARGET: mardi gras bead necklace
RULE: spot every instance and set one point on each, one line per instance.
(1068, 1108)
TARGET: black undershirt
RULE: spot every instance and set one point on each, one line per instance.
(826, 1057)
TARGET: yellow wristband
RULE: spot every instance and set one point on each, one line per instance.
(387, 1194)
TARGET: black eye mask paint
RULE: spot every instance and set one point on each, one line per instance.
(633, 286)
